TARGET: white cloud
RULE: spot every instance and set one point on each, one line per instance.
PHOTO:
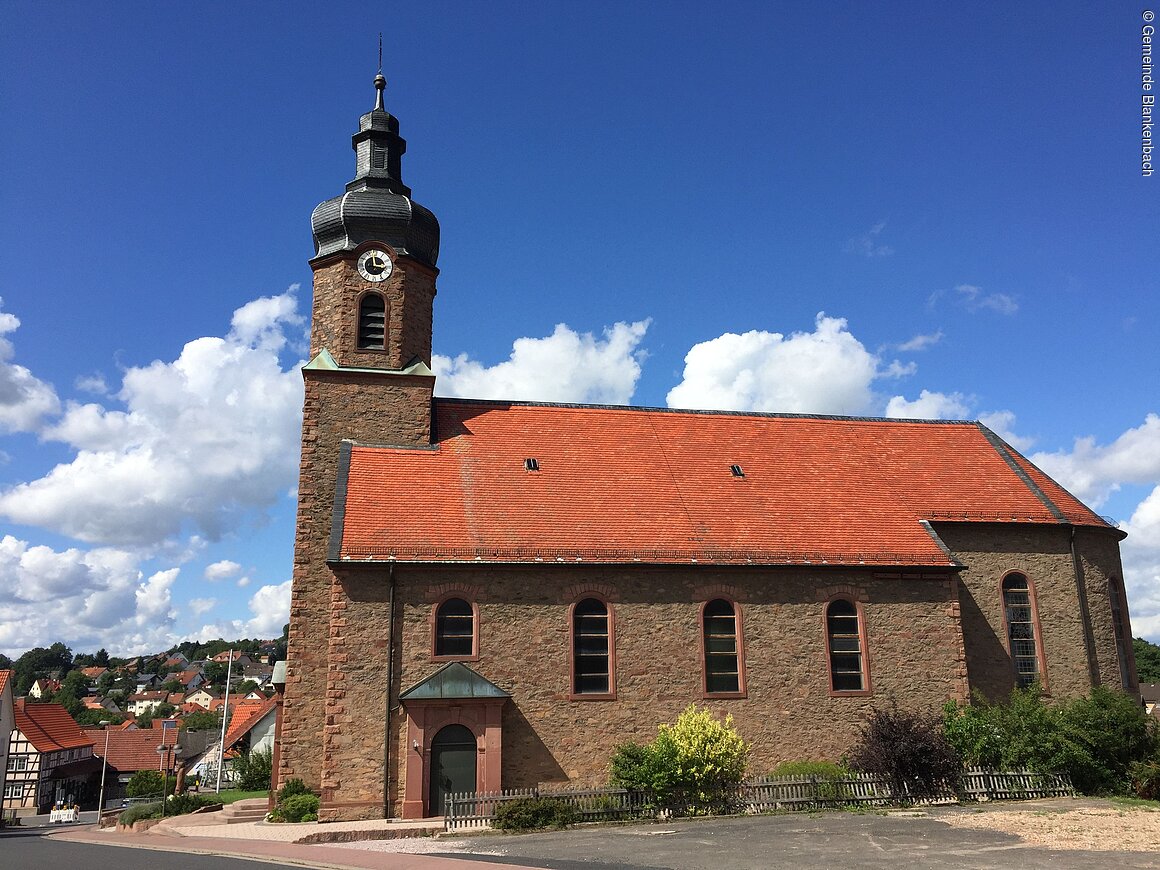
(973, 298)
(565, 366)
(25, 400)
(198, 606)
(221, 570)
(1141, 555)
(243, 582)
(921, 342)
(1092, 471)
(930, 406)
(867, 244)
(201, 441)
(1002, 423)
(270, 609)
(827, 371)
(86, 599)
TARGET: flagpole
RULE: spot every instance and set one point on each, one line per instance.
(225, 715)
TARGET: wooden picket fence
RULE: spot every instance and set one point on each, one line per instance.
(467, 810)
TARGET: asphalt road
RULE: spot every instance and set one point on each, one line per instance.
(28, 850)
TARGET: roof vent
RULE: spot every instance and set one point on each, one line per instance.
(531, 464)
(737, 472)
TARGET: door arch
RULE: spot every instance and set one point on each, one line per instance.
(454, 753)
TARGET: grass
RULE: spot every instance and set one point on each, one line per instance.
(1135, 803)
(229, 795)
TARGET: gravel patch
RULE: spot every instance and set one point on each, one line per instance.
(1105, 828)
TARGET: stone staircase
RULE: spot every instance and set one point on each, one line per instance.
(248, 810)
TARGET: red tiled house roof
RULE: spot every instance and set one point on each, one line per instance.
(622, 484)
(245, 716)
(49, 727)
(4, 676)
(129, 750)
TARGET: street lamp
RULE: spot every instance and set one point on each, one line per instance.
(105, 723)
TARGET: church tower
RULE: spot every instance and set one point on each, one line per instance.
(368, 381)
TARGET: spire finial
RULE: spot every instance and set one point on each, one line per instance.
(380, 81)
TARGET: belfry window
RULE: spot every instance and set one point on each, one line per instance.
(591, 648)
(844, 640)
(1021, 630)
(455, 629)
(722, 654)
(372, 322)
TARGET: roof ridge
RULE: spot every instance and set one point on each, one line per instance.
(773, 415)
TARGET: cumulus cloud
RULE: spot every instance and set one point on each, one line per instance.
(221, 570)
(868, 245)
(827, 371)
(1093, 471)
(25, 400)
(199, 441)
(929, 406)
(1002, 423)
(86, 598)
(565, 366)
(1141, 555)
(270, 609)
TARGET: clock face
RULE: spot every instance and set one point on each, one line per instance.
(375, 266)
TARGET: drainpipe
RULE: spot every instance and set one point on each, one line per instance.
(1081, 591)
(390, 691)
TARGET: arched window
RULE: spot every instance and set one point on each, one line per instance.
(721, 643)
(844, 639)
(372, 322)
(455, 629)
(1021, 630)
(592, 648)
(1120, 627)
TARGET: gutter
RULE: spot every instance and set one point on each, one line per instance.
(390, 692)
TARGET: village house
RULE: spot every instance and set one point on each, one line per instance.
(49, 759)
(7, 723)
(496, 594)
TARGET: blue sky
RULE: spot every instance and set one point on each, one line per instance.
(821, 207)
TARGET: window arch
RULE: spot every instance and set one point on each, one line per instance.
(1124, 653)
(1022, 630)
(593, 660)
(721, 644)
(455, 629)
(846, 646)
(372, 322)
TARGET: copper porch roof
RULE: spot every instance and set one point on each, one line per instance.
(620, 484)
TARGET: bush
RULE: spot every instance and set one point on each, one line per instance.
(534, 813)
(296, 808)
(291, 788)
(180, 804)
(1098, 740)
(910, 751)
(1146, 779)
(827, 774)
(146, 783)
(693, 766)
(139, 812)
(254, 769)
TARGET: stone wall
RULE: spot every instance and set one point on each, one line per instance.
(914, 647)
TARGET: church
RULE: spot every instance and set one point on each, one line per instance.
(496, 594)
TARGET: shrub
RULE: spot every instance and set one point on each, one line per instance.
(139, 812)
(145, 783)
(909, 750)
(534, 813)
(180, 804)
(1146, 779)
(692, 766)
(297, 807)
(291, 788)
(1096, 739)
(254, 769)
(828, 775)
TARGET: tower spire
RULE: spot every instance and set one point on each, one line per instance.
(380, 81)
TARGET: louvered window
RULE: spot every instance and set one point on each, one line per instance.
(719, 624)
(591, 648)
(372, 322)
(1021, 637)
(847, 663)
(455, 628)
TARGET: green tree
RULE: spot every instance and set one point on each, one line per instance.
(202, 720)
(145, 783)
(89, 717)
(254, 769)
(41, 662)
(1147, 660)
(157, 711)
(245, 687)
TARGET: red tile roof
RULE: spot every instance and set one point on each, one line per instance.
(245, 716)
(628, 484)
(4, 675)
(129, 750)
(93, 673)
(49, 727)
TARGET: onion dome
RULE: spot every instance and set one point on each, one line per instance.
(377, 205)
